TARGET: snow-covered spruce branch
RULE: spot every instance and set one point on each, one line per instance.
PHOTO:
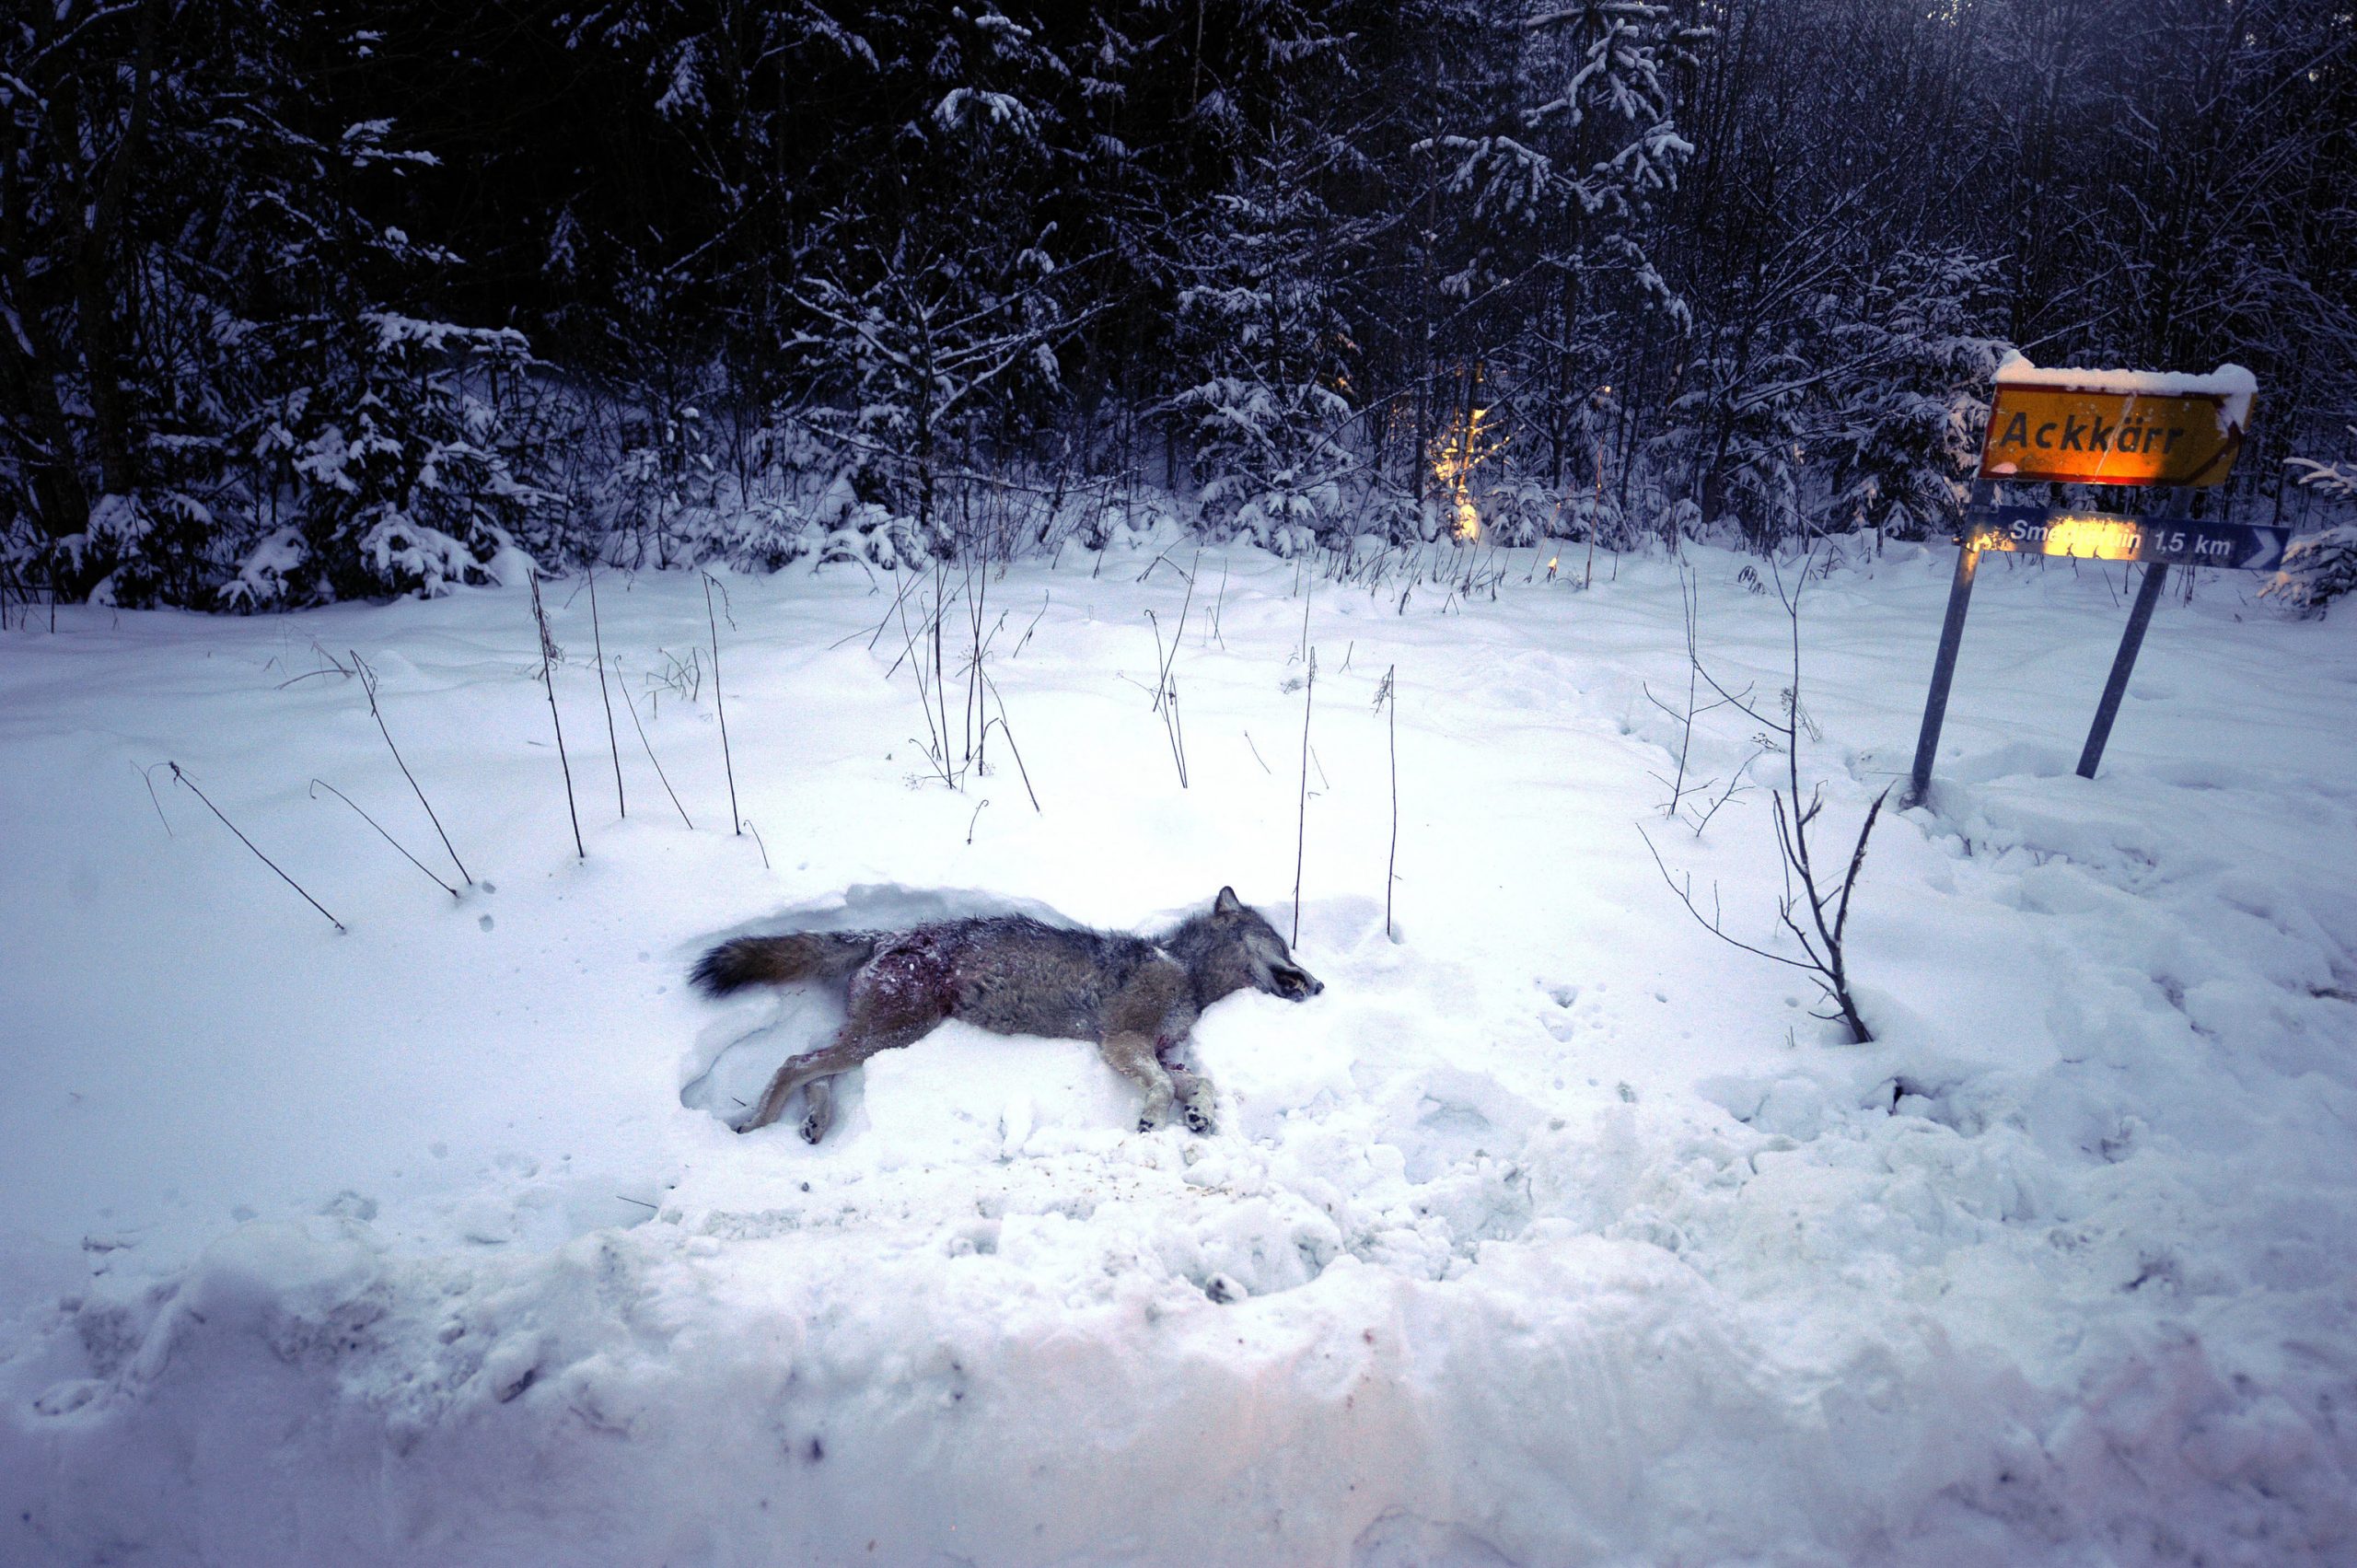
(2320, 567)
(2337, 480)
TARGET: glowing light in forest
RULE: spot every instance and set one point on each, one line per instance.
(1467, 446)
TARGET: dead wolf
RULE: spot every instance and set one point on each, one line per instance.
(1137, 997)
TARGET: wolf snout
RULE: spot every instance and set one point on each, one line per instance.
(1298, 984)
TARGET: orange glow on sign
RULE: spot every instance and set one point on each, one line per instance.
(2065, 436)
(2094, 537)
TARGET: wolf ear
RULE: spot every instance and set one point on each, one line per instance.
(1228, 903)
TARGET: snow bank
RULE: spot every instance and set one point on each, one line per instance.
(1553, 1232)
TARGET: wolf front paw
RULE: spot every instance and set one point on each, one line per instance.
(814, 1127)
(1199, 1120)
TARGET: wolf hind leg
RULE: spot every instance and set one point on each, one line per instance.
(895, 1000)
(839, 1055)
(1196, 1099)
(850, 1047)
(817, 1109)
(1133, 1056)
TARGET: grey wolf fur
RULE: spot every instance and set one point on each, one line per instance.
(1137, 997)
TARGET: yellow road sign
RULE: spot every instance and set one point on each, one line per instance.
(2112, 433)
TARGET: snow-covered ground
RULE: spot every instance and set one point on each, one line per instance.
(1565, 1234)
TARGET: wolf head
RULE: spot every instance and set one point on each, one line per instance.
(1247, 951)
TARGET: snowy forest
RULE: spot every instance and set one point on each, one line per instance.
(315, 303)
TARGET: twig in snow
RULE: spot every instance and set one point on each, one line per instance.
(650, 757)
(1257, 757)
(332, 668)
(368, 685)
(1822, 940)
(1161, 671)
(974, 819)
(758, 843)
(936, 749)
(318, 785)
(720, 705)
(1160, 559)
(1386, 696)
(599, 634)
(1163, 664)
(1177, 733)
(908, 580)
(1301, 825)
(1306, 594)
(1007, 730)
(941, 682)
(179, 777)
(549, 655)
(976, 590)
(1736, 786)
(1687, 592)
(1165, 690)
(1033, 627)
(147, 780)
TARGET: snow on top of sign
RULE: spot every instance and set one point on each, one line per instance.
(2232, 382)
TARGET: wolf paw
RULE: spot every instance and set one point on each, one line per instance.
(1146, 1124)
(1200, 1119)
(813, 1129)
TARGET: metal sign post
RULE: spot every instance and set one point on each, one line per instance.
(2113, 427)
(2148, 594)
(1935, 703)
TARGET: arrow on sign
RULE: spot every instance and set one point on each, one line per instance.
(2272, 543)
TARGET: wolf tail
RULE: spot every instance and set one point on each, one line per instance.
(782, 960)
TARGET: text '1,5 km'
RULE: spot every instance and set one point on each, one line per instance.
(2113, 427)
